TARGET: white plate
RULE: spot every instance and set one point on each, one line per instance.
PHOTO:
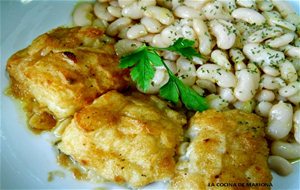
(26, 158)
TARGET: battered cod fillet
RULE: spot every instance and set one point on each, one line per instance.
(225, 147)
(126, 139)
(66, 69)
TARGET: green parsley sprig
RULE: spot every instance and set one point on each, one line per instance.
(142, 62)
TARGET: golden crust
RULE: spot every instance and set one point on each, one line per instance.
(66, 69)
(226, 147)
(125, 139)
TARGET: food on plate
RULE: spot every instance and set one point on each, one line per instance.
(125, 138)
(64, 70)
(225, 147)
(238, 58)
(250, 52)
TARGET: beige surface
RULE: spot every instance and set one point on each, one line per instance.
(126, 139)
(226, 147)
(66, 69)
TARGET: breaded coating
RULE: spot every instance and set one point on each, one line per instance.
(125, 139)
(226, 148)
(66, 69)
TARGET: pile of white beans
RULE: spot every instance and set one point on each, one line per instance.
(251, 49)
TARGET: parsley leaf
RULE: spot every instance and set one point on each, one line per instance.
(184, 47)
(170, 91)
(142, 62)
(142, 73)
(154, 58)
(191, 99)
(132, 59)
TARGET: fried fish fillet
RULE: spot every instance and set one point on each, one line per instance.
(125, 139)
(66, 69)
(226, 148)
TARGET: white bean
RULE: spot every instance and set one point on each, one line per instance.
(188, 33)
(100, 23)
(246, 3)
(123, 32)
(274, 19)
(113, 3)
(157, 41)
(161, 77)
(281, 40)
(220, 58)
(216, 102)
(125, 3)
(207, 84)
(186, 21)
(247, 106)
(288, 71)
(227, 94)
(265, 95)
(204, 37)
(186, 12)
(171, 65)
(263, 108)
(292, 51)
(238, 58)
(262, 55)
(270, 70)
(264, 5)
(82, 14)
(285, 149)
(114, 11)
(198, 60)
(264, 34)
(236, 55)
(136, 31)
(145, 3)
(248, 83)
(169, 55)
(169, 35)
(229, 5)
(284, 7)
(152, 25)
(215, 10)
(186, 71)
(296, 120)
(296, 63)
(133, 11)
(281, 98)
(146, 39)
(224, 33)
(126, 46)
(280, 120)
(248, 15)
(280, 165)
(270, 82)
(216, 73)
(163, 15)
(100, 10)
(198, 5)
(295, 99)
(114, 28)
(294, 19)
(199, 90)
(289, 90)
